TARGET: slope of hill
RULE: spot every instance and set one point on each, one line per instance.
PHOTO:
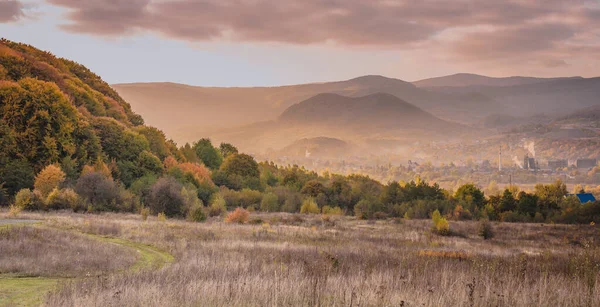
(195, 111)
(54, 110)
(464, 79)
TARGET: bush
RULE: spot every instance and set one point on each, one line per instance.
(442, 227)
(64, 199)
(269, 203)
(239, 215)
(145, 212)
(217, 206)
(485, 230)
(440, 224)
(328, 210)
(25, 199)
(309, 206)
(14, 210)
(165, 197)
(98, 191)
(196, 213)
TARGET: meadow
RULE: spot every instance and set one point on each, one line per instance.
(117, 259)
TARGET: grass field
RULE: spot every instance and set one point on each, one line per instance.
(311, 260)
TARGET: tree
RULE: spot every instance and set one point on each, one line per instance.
(392, 194)
(241, 165)
(98, 190)
(165, 197)
(208, 154)
(313, 188)
(470, 196)
(527, 204)
(227, 150)
(507, 202)
(16, 175)
(150, 163)
(269, 203)
(49, 179)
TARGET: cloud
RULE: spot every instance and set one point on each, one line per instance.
(10, 10)
(488, 29)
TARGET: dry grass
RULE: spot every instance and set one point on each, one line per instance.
(302, 260)
(37, 251)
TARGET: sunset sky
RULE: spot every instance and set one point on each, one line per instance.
(275, 42)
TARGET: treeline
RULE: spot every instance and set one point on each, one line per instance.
(208, 181)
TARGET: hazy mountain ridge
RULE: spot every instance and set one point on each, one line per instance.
(206, 109)
(466, 79)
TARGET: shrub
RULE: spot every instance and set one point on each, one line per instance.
(98, 191)
(436, 217)
(440, 224)
(64, 199)
(145, 212)
(49, 179)
(309, 206)
(217, 206)
(196, 213)
(485, 230)
(239, 215)
(442, 227)
(25, 199)
(269, 203)
(14, 210)
(165, 197)
(328, 210)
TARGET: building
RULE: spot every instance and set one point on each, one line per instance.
(555, 164)
(529, 163)
(584, 197)
(586, 163)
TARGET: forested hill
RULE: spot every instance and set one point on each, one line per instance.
(54, 110)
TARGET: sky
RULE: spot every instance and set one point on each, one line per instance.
(278, 42)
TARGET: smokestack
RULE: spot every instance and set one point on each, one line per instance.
(500, 159)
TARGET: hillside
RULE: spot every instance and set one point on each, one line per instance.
(195, 111)
(464, 79)
(53, 110)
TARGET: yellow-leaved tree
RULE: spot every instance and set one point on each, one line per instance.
(48, 179)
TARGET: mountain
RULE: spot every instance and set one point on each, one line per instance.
(367, 119)
(464, 79)
(553, 97)
(369, 113)
(54, 110)
(194, 111)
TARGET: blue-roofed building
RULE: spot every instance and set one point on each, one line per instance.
(584, 197)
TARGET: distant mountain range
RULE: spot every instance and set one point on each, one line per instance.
(358, 119)
(368, 106)
(464, 79)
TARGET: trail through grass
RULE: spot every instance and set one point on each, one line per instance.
(30, 291)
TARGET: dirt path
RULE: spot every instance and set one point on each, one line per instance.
(30, 291)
